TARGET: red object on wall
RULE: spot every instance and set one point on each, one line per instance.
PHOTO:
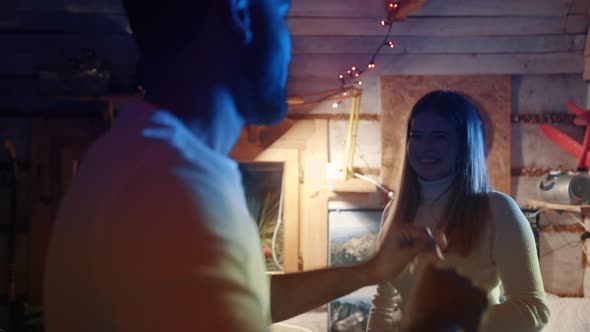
(569, 144)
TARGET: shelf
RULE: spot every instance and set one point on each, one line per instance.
(583, 209)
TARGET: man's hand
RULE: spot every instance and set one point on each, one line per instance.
(442, 299)
(400, 245)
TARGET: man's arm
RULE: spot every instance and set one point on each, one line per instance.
(296, 293)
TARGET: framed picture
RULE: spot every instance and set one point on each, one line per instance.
(352, 240)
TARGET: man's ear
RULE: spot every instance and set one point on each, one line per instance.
(240, 20)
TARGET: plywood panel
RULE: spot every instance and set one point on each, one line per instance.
(491, 93)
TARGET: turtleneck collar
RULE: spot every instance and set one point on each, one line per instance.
(433, 191)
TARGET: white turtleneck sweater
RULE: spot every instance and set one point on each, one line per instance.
(506, 255)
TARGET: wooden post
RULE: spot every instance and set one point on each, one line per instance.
(314, 227)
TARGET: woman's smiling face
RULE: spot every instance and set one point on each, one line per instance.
(433, 146)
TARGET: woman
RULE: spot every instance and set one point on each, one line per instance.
(444, 186)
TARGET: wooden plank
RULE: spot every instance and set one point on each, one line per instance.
(354, 8)
(74, 6)
(122, 64)
(443, 64)
(326, 8)
(448, 45)
(492, 95)
(314, 227)
(353, 185)
(114, 43)
(537, 94)
(290, 157)
(60, 42)
(116, 24)
(344, 201)
(65, 21)
(560, 207)
(494, 8)
(440, 26)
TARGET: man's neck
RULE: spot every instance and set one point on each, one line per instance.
(208, 111)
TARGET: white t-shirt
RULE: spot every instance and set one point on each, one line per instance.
(155, 235)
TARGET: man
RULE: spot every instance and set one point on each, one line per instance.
(154, 233)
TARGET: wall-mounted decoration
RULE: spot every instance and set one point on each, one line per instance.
(352, 240)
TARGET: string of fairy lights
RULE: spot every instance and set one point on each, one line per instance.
(350, 80)
(355, 72)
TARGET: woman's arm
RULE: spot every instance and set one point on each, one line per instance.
(515, 255)
(296, 293)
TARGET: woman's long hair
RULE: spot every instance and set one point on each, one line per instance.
(464, 215)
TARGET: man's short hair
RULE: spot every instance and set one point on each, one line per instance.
(163, 26)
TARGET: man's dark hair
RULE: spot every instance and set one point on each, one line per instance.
(161, 26)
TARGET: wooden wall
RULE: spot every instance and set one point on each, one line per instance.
(539, 43)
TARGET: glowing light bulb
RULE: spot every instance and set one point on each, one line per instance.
(371, 65)
(353, 68)
(391, 44)
(382, 23)
(340, 76)
(360, 82)
(335, 105)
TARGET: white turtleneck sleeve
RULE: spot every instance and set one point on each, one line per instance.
(515, 257)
